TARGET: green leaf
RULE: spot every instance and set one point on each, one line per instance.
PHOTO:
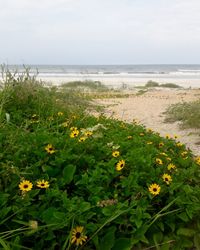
(197, 241)
(108, 240)
(122, 244)
(186, 232)
(68, 173)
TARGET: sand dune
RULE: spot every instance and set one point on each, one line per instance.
(148, 109)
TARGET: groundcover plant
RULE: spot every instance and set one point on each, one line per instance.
(73, 181)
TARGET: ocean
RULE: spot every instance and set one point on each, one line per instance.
(186, 75)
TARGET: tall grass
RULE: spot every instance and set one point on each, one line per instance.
(187, 113)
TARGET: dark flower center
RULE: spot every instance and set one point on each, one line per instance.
(42, 184)
(25, 186)
(154, 189)
(166, 179)
(78, 235)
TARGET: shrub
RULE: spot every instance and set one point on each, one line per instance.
(169, 85)
(151, 83)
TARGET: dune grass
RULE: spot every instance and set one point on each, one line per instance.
(188, 113)
(74, 181)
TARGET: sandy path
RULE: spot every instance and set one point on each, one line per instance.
(148, 109)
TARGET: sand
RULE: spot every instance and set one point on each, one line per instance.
(148, 109)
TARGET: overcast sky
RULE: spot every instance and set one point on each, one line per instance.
(99, 31)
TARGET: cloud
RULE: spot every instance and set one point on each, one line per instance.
(111, 30)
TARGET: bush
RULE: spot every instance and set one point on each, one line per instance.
(169, 85)
(151, 84)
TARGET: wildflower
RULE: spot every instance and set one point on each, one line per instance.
(65, 124)
(49, 148)
(168, 158)
(154, 189)
(115, 153)
(74, 133)
(167, 178)
(81, 139)
(88, 133)
(167, 136)
(184, 155)
(149, 142)
(161, 144)
(25, 186)
(60, 113)
(120, 165)
(141, 134)
(176, 136)
(197, 160)
(171, 166)
(130, 137)
(73, 128)
(149, 130)
(50, 118)
(42, 184)
(77, 236)
(159, 161)
(178, 144)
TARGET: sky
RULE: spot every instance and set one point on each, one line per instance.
(100, 32)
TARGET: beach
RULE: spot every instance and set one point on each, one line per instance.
(149, 108)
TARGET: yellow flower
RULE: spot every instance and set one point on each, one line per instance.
(130, 137)
(77, 236)
(178, 144)
(141, 134)
(74, 133)
(115, 153)
(73, 128)
(168, 158)
(154, 189)
(171, 166)
(88, 133)
(167, 136)
(197, 160)
(159, 161)
(149, 142)
(65, 124)
(60, 113)
(81, 139)
(25, 186)
(120, 165)
(149, 130)
(167, 178)
(184, 153)
(49, 148)
(176, 136)
(42, 184)
(161, 144)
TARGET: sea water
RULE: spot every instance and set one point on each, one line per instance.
(186, 75)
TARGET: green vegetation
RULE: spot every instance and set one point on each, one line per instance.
(187, 112)
(169, 85)
(73, 181)
(151, 84)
